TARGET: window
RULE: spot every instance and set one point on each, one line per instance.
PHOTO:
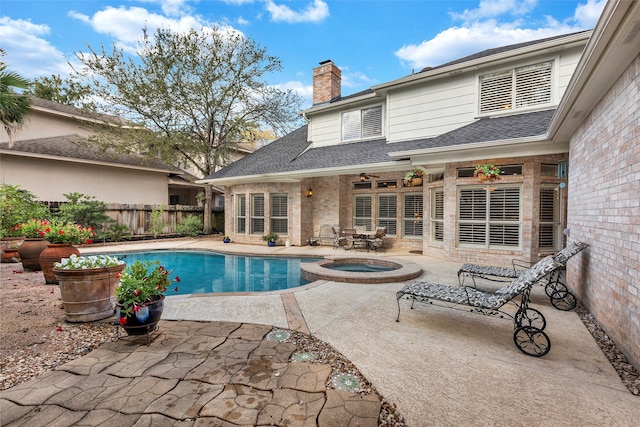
(550, 226)
(516, 89)
(257, 214)
(362, 123)
(437, 215)
(387, 212)
(412, 215)
(362, 211)
(279, 221)
(220, 202)
(241, 214)
(489, 216)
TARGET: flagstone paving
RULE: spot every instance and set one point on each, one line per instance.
(192, 374)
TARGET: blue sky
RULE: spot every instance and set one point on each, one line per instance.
(372, 41)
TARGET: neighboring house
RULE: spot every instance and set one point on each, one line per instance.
(51, 157)
(560, 116)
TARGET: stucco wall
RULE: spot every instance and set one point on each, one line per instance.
(604, 211)
(49, 180)
(43, 125)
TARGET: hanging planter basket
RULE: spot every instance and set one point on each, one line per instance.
(486, 173)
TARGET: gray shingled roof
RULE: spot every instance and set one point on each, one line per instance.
(75, 147)
(71, 110)
(288, 154)
(501, 49)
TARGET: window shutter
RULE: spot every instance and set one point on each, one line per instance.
(548, 219)
(505, 204)
(350, 125)
(533, 85)
(495, 92)
(473, 204)
(387, 211)
(372, 122)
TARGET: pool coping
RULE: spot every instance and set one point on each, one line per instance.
(315, 271)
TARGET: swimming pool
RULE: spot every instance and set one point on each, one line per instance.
(210, 272)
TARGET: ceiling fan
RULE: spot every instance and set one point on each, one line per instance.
(364, 176)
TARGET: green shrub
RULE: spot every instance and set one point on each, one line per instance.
(17, 206)
(191, 226)
(85, 210)
(155, 221)
(116, 232)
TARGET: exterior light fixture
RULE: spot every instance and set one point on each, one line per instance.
(309, 192)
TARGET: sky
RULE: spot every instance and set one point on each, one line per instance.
(372, 41)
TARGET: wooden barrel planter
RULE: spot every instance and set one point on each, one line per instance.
(88, 294)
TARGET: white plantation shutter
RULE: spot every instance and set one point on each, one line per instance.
(372, 122)
(279, 220)
(517, 88)
(495, 92)
(387, 211)
(257, 213)
(412, 216)
(533, 85)
(362, 123)
(489, 216)
(437, 216)
(362, 211)
(241, 214)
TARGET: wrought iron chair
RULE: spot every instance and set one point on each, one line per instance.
(529, 323)
(377, 241)
(338, 238)
(559, 294)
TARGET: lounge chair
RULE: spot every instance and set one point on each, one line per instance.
(529, 323)
(559, 294)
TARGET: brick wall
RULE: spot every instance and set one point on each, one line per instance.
(604, 211)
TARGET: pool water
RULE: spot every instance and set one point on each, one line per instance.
(360, 268)
(209, 272)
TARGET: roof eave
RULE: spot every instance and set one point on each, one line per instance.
(517, 147)
(83, 161)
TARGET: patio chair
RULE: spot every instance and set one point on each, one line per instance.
(338, 238)
(529, 323)
(559, 294)
(325, 235)
(377, 241)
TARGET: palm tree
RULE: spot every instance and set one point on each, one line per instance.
(14, 107)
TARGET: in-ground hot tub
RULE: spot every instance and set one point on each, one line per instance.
(360, 270)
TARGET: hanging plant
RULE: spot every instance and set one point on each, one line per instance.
(487, 173)
(413, 178)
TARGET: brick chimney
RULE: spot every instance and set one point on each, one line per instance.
(326, 82)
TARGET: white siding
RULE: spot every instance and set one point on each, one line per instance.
(430, 110)
(325, 129)
(567, 65)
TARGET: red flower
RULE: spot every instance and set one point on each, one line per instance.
(136, 292)
(60, 232)
(136, 308)
(177, 279)
(89, 241)
(123, 321)
(59, 328)
(118, 274)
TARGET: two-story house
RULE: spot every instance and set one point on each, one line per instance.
(493, 107)
(559, 116)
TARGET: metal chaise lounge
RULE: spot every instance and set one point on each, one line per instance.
(559, 294)
(529, 323)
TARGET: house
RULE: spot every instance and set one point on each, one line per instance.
(558, 116)
(51, 157)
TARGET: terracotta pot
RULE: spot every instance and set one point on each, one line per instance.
(145, 320)
(54, 252)
(29, 252)
(8, 242)
(10, 255)
(88, 294)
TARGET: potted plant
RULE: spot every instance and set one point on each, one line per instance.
(61, 237)
(18, 205)
(487, 173)
(140, 296)
(312, 241)
(10, 254)
(34, 243)
(413, 178)
(226, 239)
(270, 238)
(88, 285)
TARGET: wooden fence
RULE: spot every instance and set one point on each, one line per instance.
(138, 217)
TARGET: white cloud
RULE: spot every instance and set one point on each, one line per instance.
(125, 25)
(494, 8)
(315, 12)
(243, 22)
(41, 58)
(486, 31)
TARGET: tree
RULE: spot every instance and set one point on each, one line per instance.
(66, 91)
(14, 107)
(198, 95)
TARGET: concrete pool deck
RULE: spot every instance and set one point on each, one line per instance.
(439, 366)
